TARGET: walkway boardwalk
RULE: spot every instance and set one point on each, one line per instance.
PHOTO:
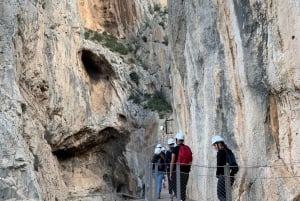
(164, 193)
(164, 196)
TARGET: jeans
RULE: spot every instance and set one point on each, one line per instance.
(158, 182)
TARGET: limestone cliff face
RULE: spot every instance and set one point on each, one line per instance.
(115, 16)
(236, 69)
(69, 130)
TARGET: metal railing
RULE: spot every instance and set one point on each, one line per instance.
(246, 185)
(176, 185)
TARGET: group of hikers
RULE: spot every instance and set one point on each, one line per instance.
(164, 162)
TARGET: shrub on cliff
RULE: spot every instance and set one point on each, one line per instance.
(157, 102)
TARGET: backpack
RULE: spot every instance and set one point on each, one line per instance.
(185, 156)
(158, 160)
(230, 158)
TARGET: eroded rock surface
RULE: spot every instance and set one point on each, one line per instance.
(69, 130)
(236, 74)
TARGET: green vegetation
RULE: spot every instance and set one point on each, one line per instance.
(135, 98)
(86, 35)
(107, 40)
(158, 103)
(154, 102)
(135, 78)
(115, 46)
(157, 7)
(97, 37)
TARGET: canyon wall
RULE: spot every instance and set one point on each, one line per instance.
(235, 68)
(74, 122)
(70, 129)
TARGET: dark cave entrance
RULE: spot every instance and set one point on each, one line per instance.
(96, 66)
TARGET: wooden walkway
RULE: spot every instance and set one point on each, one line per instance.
(164, 196)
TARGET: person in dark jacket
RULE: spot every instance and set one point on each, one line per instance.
(159, 161)
(221, 148)
(171, 186)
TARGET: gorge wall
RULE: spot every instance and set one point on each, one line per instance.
(75, 122)
(235, 68)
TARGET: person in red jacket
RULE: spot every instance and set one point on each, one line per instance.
(184, 168)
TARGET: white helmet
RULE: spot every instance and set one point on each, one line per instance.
(158, 146)
(179, 136)
(216, 138)
(157, 150)
(163, 149)
(171, 141)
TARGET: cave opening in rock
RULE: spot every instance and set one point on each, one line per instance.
(96, 66)
(98, 152)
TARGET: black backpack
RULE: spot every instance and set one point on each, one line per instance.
(230, 158)
(159, 161)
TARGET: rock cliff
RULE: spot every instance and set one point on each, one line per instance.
(78, 77)
(75, 111)
(235, 69)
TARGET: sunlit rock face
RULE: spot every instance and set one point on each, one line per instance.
(69, 130)
(118, 17)
(235, 67)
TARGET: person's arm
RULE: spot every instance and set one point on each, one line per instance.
(172, 164)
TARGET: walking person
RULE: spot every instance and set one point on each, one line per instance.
(224, 155)
(171, 186)
(159, 161)
(163, 151)
(182, 155)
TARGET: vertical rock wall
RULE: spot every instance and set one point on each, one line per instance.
(114, 16)
(68, 130)
(236, 73)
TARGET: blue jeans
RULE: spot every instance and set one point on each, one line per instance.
(158, 182)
